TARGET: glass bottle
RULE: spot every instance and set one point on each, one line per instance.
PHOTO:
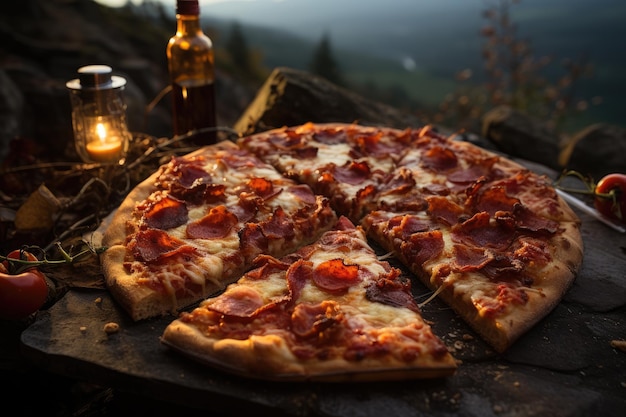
(192, 75)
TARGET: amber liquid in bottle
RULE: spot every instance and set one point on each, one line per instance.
(194, 109)
(192, 75)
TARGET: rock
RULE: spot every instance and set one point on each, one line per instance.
(292, 97)
(596, 151)
(519, 135)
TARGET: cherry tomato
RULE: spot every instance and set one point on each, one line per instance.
(610, 197)
(24, 293)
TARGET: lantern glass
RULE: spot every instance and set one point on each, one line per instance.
(99, 115)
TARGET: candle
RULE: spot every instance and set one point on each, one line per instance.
(104, 148)
(105, 151)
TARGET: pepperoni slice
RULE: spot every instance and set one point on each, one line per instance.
(439, 158)
(166, 213)
(443, 209)
(352, 173)
(217, 223)
(423, 246)
(152, 244)
(335, 276)
(241, 301)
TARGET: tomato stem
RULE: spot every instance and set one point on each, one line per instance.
(20, 265)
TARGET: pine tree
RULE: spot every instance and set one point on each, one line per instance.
(324, 63)
(238, 49)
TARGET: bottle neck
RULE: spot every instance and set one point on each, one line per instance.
(188, 24)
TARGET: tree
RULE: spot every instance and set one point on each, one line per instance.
(324, 64)
(238, 49)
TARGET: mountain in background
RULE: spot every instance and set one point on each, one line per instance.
(419, 45)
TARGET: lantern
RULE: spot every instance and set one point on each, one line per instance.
(99, 115)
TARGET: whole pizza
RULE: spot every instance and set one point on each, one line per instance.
(262, 248)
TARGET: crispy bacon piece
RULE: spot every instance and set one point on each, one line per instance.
(183, 172)
(352, 173)
(439, 159)
(390, 290)
(481, 169)
(527, 220)
(479, 231)
(314, 320)
(444, 210)
(370, 145)
(330, 136)
(423, 246)
(279, 226)
(492, 200)
(303, 192)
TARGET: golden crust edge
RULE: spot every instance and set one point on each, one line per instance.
(268, 358)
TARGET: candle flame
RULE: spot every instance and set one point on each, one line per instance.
(101, 131)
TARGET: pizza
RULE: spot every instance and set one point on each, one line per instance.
(272, 235)
(487, 235)
(198, 223)
(331, 311)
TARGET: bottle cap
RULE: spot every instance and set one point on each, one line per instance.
(95, 77)
(187, 7)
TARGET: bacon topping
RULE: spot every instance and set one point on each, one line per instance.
(312, 321)
(443, 209)
(279, 226)
(166, 213)
(217, 223)
(303, 192)
(330, 136)
(495, 199)
(439, 158)
(352, 173)
(526, 219)
(184, 172)
(478, 231)
(372, 145)
(390, 290)
(423, 246)
(335, 276)
(474, 172)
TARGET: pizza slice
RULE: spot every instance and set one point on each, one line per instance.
(501, 250)
(329, 312)
(346, 163)
(198, 223)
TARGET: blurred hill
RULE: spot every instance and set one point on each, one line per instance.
(46, 41)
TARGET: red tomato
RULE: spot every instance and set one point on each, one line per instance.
(24, 293)
(610, 197)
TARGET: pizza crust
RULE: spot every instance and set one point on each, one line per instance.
(268, 358)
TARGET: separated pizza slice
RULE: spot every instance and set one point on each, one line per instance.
(501, 271)
(329, 312)
(198, 223)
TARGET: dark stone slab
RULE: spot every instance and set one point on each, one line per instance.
(565, 366)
